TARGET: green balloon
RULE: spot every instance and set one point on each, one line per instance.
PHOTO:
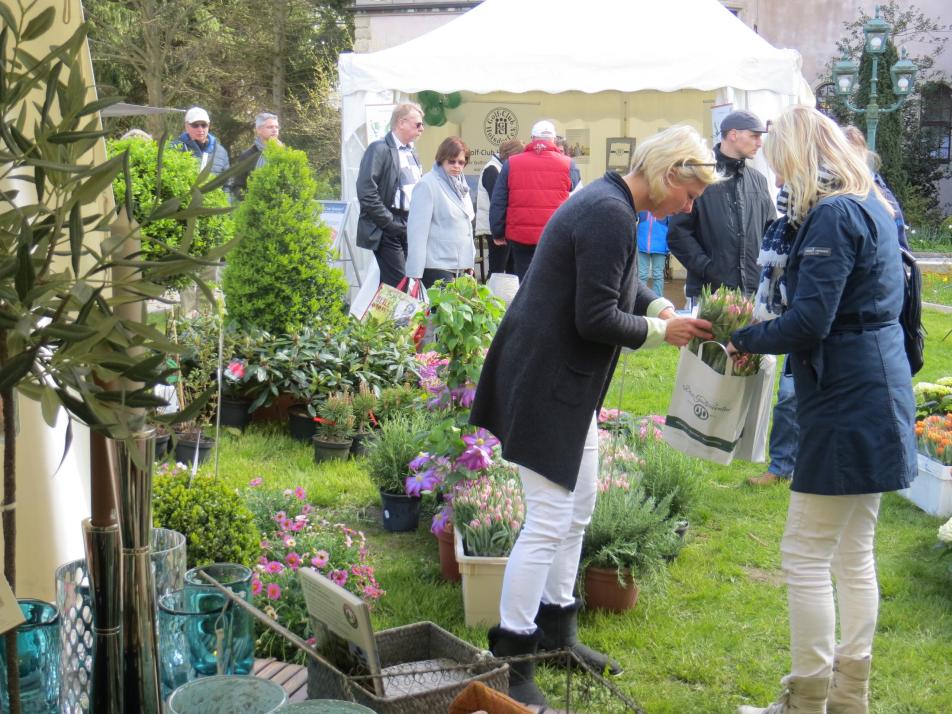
(434, 115)
(452, 100)
(429, 99)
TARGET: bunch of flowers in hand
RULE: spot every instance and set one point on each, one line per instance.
(934, 437)
(489, 512)
(301, 538)
(727, 310)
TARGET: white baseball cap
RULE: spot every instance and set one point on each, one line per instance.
(196, 114)
(543, 129)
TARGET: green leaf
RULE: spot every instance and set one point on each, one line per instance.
(49, 404)
(75, 236)
(25, 275)
(72, 137)
(16, 368)
(39, 24)
(6, 14)
(99, 177)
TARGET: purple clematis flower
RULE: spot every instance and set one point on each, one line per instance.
(419, 483)
(478, 454)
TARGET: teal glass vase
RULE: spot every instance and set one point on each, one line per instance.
(201, 596)
(38, 645)
(227, 695)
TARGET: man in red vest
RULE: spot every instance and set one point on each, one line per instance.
(531, 185)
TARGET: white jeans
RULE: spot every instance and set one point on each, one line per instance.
(830, 535)
(544, 561)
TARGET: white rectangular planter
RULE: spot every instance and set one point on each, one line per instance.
(482, 585)
(932, 488)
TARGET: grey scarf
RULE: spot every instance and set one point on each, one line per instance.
(457, 183)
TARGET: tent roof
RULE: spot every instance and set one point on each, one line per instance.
(590, 46)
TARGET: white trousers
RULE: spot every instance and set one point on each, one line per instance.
(544, 561)
(830, 535)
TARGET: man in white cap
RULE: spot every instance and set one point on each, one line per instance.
(530, 187)
(201, 142)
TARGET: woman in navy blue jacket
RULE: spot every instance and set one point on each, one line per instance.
(856, 410)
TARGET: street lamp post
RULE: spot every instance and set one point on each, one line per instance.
(846, 77)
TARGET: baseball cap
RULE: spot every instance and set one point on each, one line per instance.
(743, 120)
(196, 114)
(543, 129)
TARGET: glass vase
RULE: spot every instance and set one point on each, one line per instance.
(236, 578)
(74, 604)
(168, 561)
(192, 636)
(227, 695)
(37, 659)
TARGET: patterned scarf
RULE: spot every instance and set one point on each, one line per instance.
(771, 298)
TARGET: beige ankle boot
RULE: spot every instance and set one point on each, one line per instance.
(849, 692)
(804, 695)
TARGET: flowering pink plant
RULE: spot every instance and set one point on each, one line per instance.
(234, 378)
(489, 512)
(298, 537)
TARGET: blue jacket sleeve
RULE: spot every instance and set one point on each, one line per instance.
(574, 175)
(826, 253)
(499, 202)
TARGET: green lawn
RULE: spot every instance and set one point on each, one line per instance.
(937, 288)
(712, 632)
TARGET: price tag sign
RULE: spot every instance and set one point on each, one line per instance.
(10, 615)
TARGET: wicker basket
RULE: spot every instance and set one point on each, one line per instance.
(402, 645)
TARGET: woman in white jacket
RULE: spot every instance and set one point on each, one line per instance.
(440, 226)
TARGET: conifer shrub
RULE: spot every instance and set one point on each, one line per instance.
(280, 276)
(179, 171)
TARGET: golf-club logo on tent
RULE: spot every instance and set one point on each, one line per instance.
(500, 124)
(700, 411)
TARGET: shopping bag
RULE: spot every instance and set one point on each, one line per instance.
(753, 442)
(394, 304)
(708, 410)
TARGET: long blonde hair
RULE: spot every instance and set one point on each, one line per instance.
(678, 154)
(801, 144)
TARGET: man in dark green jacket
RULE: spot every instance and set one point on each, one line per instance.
(719, 240)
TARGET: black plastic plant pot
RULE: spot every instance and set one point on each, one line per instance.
(234, 412)
(300, 423)
(330, 450)
(185, 448)
(401, 513)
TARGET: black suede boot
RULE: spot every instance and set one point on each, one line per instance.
(522, 686)
(559, 626)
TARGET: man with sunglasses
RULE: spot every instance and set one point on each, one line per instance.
(719, 240)
(203, 145)
(389, 170)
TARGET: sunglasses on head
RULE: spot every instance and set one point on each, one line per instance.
(199, 124)
(692, 164)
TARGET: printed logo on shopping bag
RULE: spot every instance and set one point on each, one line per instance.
(703, 407)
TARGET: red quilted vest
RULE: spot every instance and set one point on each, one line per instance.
(539, 182)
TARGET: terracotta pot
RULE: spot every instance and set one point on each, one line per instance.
(449, 568)
(602, 591)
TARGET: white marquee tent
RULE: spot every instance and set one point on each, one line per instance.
(622, 69)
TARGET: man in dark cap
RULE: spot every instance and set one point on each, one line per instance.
(719, 240)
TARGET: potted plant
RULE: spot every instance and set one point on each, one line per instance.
(630, 535)
(389, 453)
(334, 427)
(488, 513)
(365, 418)
(196, 384)
(235, 403)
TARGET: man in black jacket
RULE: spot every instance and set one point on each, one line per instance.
(267, 127)
(389, 170)
(719, 240)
